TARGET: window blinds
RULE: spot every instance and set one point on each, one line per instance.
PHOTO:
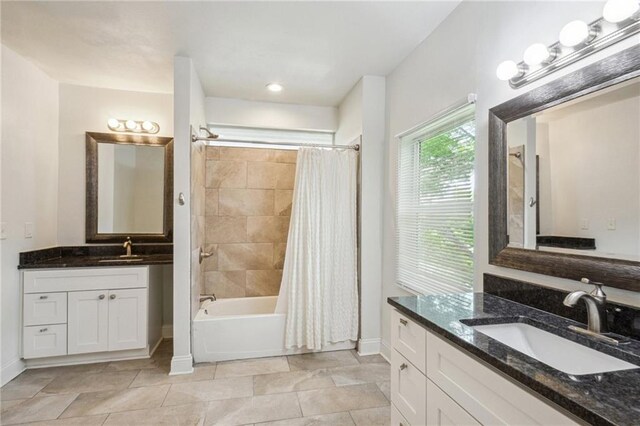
(435, 204)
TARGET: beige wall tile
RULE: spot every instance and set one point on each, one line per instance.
(285, 155)
(211, 202)
(265, 175)
(263, 282)
(213, 152)
(267, 229)
(279, 251)
(247, 154)
(242, 257)
(226, 229)
(226, 174)
(282, 202)
(245, 202)
(210, 263)
(225, 284)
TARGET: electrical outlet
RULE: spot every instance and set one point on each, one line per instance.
(28, 230)
(611, 224)
(584, 224)
(3, 230)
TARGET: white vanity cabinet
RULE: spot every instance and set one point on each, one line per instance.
(96, 312)
(435, 383)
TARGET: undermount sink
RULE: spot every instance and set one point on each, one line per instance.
(555, 351)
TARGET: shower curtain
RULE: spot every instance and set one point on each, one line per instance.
(319, 290)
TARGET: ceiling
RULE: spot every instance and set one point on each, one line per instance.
(317, 50)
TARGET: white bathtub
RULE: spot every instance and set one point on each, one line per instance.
(246, 327)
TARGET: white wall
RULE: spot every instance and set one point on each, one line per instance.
(238, 112)
(350, 116)
(189, 111)
(458, 58)
(29, 155)
(87, 109)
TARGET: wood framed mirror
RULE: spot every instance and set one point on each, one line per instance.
(520, 218)
(129, 188)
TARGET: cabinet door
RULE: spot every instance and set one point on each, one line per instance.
(442, 410)
(88, 321)
(127, 319)
(408, 389)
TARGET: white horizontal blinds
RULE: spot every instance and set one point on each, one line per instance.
(435, 204)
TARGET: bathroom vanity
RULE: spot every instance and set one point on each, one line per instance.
(446, 368)
(86, 304)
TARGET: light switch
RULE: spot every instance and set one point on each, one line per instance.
(584, 224)
(3, 230)
(28, 230)
(611, 224)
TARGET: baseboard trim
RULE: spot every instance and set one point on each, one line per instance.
(88, 358)
(385, 351)
(11, 371)
(167, 331)
(368, 347)
(182, 364)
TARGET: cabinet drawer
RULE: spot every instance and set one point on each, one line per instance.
(442, 410)
(48, 340)
(45, 308)
(408, 389)
(396, 418)
(485, 394)
(408, 338)
(82, 279)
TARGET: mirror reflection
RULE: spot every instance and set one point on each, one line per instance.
(130, 188)
(574, 176)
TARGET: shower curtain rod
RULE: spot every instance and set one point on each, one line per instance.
(296, 144)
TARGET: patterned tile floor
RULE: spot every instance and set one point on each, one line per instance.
(330, 388)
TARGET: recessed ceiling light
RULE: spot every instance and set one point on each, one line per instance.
(274, 87)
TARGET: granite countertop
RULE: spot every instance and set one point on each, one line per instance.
(91, 256)
(601, 399)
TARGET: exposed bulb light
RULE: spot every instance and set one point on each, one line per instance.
(536, 54)
(130, 124)
(574, 33)
(507, 70)
(147, 125)
(113, 123)
(274, 87)
(615, 11)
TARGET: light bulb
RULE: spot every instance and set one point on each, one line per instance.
(147, 125)
(507, 70)
(131, 125)
(536, 54)
(274, 87)
(113, 123)
(619, 10)
(574, 33)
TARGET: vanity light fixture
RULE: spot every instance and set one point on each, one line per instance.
(133, 126)
(577, 40)
(274, 87)
(615, 11)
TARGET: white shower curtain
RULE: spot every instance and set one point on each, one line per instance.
(319, 290)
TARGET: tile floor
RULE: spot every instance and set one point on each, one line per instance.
(330, 388)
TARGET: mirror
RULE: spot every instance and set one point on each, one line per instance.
(129, 188)
(564, 176)
(574, 176)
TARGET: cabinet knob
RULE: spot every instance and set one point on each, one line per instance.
(42, 330)
(403, 366)
(101, 297)
(113, 296)
(44, 297)
(403, 321)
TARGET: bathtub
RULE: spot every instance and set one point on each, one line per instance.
(246, 327)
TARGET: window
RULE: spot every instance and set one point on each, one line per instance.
(435, 204)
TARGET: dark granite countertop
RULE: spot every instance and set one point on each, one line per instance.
(601, 399)
(95, 256)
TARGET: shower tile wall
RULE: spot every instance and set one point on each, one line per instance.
(198, 158)
(248, 207)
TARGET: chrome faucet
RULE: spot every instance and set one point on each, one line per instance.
(596, 307)
(128, 244)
